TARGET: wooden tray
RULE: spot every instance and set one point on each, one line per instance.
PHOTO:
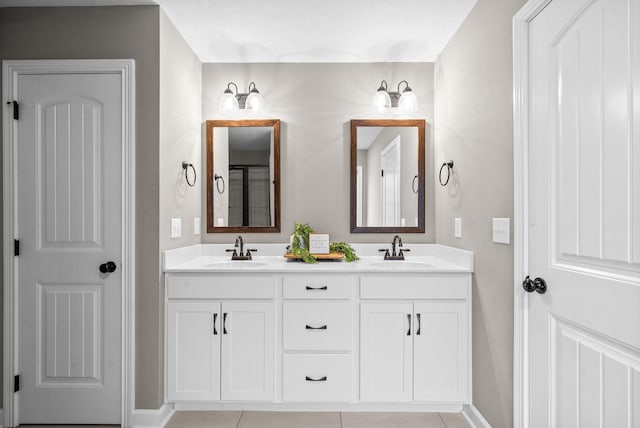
(330, 256)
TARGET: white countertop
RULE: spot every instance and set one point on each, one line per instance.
(424, 258)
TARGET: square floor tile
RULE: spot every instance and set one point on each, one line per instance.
(290, 420)
(199, 419)
(391, 420)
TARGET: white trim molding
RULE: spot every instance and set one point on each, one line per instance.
(151, 418)
(521, 22)
(11, 70)
(474, 417)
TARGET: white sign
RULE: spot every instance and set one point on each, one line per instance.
(319, 243)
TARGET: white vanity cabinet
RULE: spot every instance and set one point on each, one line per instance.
(220, 349)
(317, 334)
(417, 349)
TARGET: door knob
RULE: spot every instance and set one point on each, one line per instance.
(538, 285)
(108, 267)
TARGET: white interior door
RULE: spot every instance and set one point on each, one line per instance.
(390, 183)
(584, 214)
(69, 221)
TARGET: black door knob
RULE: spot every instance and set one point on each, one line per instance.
(108, 267)
(538, 285)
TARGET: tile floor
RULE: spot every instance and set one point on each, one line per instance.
(229, 419)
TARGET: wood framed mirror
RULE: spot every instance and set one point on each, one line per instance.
(243, 176)
(387, 175)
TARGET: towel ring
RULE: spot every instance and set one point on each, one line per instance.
(413, 184)
(449, 166)
(217, 177)
(186, 166)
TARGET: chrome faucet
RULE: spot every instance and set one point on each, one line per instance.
(239, 245)
(396, 243)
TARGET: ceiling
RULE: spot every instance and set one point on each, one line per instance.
(314, 31)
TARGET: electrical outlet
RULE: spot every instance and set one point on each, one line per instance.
(501, 230)
(196, 226)
(176, 228)
(458, 227)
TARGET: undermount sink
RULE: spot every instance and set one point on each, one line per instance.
(235, 264)
(401, 264)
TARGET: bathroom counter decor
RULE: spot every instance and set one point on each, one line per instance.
(330, 256)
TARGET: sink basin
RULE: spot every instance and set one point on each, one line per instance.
(401, 264)
(242, 264)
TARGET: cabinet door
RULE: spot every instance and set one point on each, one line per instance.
(193, 351)
(386, 352)
(247, 351)
(440, 351)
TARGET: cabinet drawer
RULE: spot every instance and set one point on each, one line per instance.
(316, 287)
(316, 378)
(221, 286)
(316, 326)
(414, 287)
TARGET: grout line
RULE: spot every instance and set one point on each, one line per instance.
(442, 419)
(240, 418)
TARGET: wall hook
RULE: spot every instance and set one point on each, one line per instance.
(449, 166)
(217, 177)
(186, 166)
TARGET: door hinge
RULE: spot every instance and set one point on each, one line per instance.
(16, 247)
(16, 383)
(16, 109)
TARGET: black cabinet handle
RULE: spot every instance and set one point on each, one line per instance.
(224, 323)
(323, 288)
(419, 324)
(320, 379)
(215, 318)
(322, 327)
(409, 320)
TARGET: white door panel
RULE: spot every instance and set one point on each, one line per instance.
(584, 214)
(247, 351)
(69, 208)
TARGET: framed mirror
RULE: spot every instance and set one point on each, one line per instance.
(387, 176)
(243, 176)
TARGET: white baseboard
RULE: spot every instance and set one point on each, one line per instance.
(151, 418)
(473, 416)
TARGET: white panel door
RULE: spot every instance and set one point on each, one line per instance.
(247, 351)
(193, 351)
(440, 355)
(584, 214)
(390, 183)
(386, 335)
(69, 216)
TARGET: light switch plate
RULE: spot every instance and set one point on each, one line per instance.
(176, 228)
(458, 227)
(196, 226)
(501, 230)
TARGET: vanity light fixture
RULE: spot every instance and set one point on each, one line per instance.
(250, 101)
(384, 98)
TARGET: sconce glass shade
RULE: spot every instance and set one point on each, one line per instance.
(381, 100)
(408, 101)
(228, 102)
(254, 102)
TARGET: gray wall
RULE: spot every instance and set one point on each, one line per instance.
(315, 103)
(473, 108)
(113, 32)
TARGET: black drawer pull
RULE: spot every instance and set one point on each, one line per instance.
(409, 320)
(224, 323)
(215, 318)
(322, 327)
(323, 288)
(310, 379)
(419, 325)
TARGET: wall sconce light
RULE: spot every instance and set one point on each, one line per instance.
(406, 100)
(251, 101)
